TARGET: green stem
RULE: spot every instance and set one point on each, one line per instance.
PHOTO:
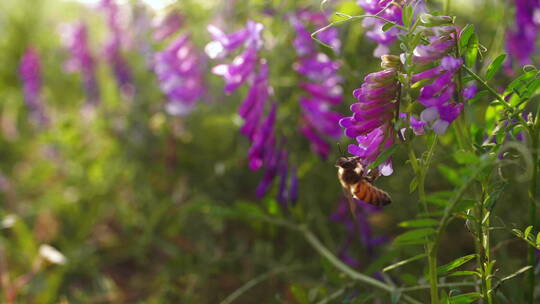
(251, 283)
(487, 87)
(481, 237)
(431, 250)
(533, 190)
(323, 251)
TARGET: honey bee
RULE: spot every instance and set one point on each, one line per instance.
(357, 183)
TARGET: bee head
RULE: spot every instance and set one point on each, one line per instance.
(347, 162)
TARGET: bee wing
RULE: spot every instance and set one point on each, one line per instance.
(351, 201)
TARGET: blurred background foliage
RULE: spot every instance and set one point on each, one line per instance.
(151, 208)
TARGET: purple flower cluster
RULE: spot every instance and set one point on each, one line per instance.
(388, 9)
(75, 40)
(266, 149)
(371, 122)
(322, 85)
(30, 74)
(113, 47)
(438, 96)
(179, 69)
(521, 41)
(358, 229)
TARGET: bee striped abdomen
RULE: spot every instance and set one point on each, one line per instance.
(370, 194)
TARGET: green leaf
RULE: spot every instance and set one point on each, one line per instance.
(414, 236)
(383, 157)
(387, 26)
(464, 273)
(403, 262)
(538, 239)
(464, 37)
(464, 157)
(533, 87)
(407, 15)
(472, 51)
(450, 174)
(425, 222)
(413, 185)
(527, 232)
(465, 298)
(464, 205)
(441, 270)
(495, 66)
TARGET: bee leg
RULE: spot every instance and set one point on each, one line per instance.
(372, 175)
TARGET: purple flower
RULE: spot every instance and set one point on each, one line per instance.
(30, 74)
(390, 10)
(470, 92)
(179, 71)
(113, 47)
(417, 126)
(244, 65)
(438, 47)
(167, 25)
(437, 97)
(75, 39)
(521, 41)
(258, 127)
(371, 122)
(321, 86)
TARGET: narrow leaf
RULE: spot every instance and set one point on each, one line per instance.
(464, 157)
(403, 262)
(538, 239)
(472, 51)
(464, 273)
(495, 66)
(527, 232)
(465, 298)
(387, 26)
(464, 37)
(383, 156)
(450, 174)
(425, 222)
(414, 235)
(455, 264)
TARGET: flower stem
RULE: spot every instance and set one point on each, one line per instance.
(487, 87)
(430, 248)
(533, 190)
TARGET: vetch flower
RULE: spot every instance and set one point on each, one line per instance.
(371, 123)
(30, 74)
(437, 97)
(521, 41)
(75, 40)
(244, 65)
(321, 85)
(179, 71)
(388, 9)
(258, 113)
(113, 48)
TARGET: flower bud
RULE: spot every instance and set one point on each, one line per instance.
(430, 20)
(390, 61)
